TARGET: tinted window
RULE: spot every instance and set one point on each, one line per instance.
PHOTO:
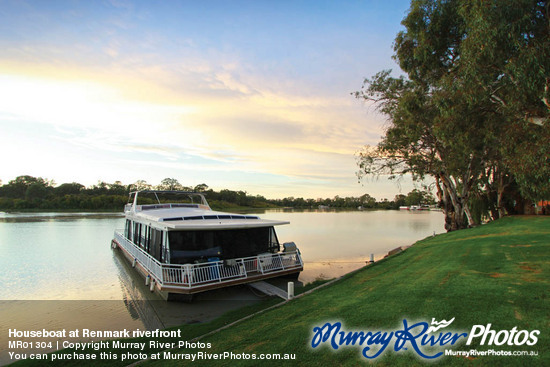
(190, 246)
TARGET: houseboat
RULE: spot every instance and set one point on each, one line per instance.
(181, 246)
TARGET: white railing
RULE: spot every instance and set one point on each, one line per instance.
(195, 275)
(152, 265)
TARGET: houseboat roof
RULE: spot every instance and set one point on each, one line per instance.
(193, 216)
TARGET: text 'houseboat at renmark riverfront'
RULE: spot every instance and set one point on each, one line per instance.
(183, 247)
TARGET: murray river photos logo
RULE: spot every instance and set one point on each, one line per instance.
(428, 341)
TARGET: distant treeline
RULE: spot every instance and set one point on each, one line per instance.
(37, 193)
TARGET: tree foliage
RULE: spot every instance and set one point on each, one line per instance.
(31, 193)
(473, 111)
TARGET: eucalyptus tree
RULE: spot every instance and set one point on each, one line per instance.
(506, 66)
(18, 187)
(170, 184)
(415, 143)
(424, 138)
(140, 185)
(457, 116)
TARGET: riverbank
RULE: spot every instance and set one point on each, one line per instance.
(497, 273)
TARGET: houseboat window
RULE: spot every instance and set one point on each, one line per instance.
(273, 241)
(128, 229)
(135, 233)
(147, 243)
(149, 239)
(190, 246)
(146, 236)
(155, 244)
(166, 252)
(143, 235)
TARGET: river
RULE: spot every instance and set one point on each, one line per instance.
(58, 270)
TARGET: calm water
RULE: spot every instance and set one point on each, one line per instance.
(58, 271)
(52, 257)
(334, 243)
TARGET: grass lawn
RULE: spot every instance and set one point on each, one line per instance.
(498, 273)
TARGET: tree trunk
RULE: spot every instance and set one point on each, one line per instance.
(448, 209)
(500, 194)
(465, 198)
(469, 215)
(456, 217)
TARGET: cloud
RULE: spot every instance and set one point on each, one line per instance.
(250, 128)
(188, 110)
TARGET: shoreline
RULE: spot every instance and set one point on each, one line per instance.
(256, 308)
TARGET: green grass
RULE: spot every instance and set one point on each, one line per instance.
(498, 273)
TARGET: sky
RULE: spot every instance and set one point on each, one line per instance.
(242, 95)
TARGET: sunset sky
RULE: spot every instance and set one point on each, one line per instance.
(243, 95)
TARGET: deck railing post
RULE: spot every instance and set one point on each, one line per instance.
(189, 274)
(242, 268)
(259, 264)
(161, 271)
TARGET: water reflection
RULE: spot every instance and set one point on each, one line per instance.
(42, 217)
(355, 235)
(334, 243)
(133, 295)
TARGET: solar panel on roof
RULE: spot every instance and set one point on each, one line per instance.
(171, 219)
